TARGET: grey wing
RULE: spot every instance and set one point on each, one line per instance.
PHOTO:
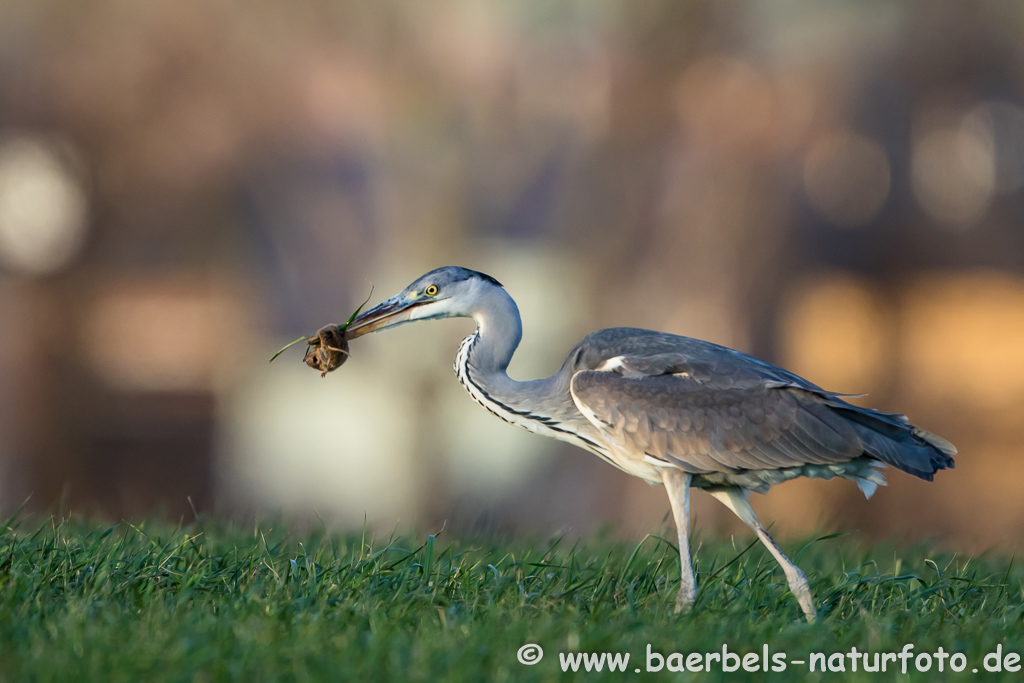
(701, 405)
(712, 417)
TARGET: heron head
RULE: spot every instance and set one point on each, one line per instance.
(448, 292)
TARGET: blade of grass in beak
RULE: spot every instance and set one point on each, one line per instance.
(286, 346)
(353, 316)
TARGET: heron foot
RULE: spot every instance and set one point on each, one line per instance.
(798, 586)
(685, 598)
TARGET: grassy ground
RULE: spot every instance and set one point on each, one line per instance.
(208, 602)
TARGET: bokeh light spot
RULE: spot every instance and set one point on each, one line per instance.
(833, 332)
(953, 173)
(42, 207)
(1003, 124)
(961, 341)
(847, 178)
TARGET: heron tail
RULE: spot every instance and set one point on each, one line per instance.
(889, 438)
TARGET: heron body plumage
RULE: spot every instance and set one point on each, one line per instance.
(669, 409)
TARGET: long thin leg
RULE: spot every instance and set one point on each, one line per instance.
(677, 484)
(736, 500)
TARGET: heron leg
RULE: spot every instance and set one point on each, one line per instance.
(677, 484)
(736, 500)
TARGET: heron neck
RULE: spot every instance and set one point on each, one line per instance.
(499, 331)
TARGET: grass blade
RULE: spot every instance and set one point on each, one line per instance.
(286, 346)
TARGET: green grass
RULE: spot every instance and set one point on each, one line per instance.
(80, 601)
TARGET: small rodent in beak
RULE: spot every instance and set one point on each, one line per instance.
(328, 349)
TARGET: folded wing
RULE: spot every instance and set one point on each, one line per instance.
(726, 415)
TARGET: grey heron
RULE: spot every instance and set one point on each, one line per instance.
(669, 409)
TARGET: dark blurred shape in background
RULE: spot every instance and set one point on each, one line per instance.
(184, 186)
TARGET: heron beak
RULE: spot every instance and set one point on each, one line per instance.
(394, 311)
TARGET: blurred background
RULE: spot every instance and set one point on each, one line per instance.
(185, 186)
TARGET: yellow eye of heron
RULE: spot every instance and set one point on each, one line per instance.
(431, 290)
